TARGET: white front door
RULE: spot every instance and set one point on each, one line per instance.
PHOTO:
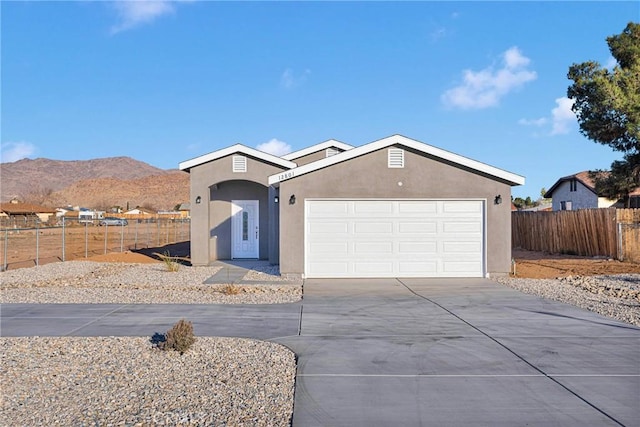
(244, 229)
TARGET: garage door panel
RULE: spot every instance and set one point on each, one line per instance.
(372, 269)
(329, 248)
(461, 207)
(326, 228)
(417, 247)
(426, 268)
(417, 207)
(328, 269)
(461, 247)
(332, 207)
(460, 267)
(461, 227)
(417, 227)
(373, 247)
(374, 207)
(394, 238)
(373, 227)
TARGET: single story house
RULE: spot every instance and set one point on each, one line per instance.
(395, 207)
(18, 211)
(578, 191)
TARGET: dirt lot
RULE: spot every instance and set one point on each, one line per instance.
(539, 265)
(536, 265)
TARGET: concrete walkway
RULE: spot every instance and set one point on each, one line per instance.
(408, 352)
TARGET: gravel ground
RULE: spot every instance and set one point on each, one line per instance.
(126, 380)
(616, 296)
(220, 381)
(118, 283)
(103, 381)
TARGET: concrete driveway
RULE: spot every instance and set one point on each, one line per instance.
(458, 352)
(409, 352)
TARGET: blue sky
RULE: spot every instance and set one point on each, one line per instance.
(163, 82)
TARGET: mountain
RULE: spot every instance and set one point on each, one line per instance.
(96, 183)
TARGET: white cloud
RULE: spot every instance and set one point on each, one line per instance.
(611, 62)
(562, 116)
(132, 13)
(533, 122)
(485, 88)
(289, 80)
(561, 120)
(14, 151)
(275, 147)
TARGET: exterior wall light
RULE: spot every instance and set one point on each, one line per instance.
(198, 200)
(276, 199)
(292, 199)
(498, 199)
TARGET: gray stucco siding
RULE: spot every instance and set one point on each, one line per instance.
(318, 155)
(368, 176)
(210, 223)
(582, 198)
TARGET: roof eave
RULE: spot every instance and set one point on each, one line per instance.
(237, 148)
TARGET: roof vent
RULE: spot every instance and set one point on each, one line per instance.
(239, 164)
(332, 152)
(396, 158)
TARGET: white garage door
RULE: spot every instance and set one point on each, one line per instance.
(394, 238)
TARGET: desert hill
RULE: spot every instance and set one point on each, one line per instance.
(96, 183)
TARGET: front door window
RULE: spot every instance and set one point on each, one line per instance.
(244, 229)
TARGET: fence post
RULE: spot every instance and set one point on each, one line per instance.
(37, 245)
(86, 241)
(620, 254)
(6, 246)
(121, 236)
(63, 241)
(106, 232)
(135, 239)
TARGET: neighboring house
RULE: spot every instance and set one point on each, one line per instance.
(578, 191)
(395, 207)
(15, 210)
(140, 211)
(185, 210)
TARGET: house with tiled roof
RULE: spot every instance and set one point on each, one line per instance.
(578, 191)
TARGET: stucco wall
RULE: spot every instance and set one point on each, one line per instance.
(206, 217)
(582, 198)
(369, 177)
(318, 155)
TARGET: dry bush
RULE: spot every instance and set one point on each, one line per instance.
(231, 289)
(179, 338)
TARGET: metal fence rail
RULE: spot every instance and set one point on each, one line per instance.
(75, 239)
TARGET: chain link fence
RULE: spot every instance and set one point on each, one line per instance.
(78, 239)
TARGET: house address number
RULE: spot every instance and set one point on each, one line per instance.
(285, 175)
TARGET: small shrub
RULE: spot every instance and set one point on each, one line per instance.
(179, 338)
(169, 262)
(231, 289)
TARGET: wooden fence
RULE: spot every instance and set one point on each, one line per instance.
(588, 232)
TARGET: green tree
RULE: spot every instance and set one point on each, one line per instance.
(607, 105)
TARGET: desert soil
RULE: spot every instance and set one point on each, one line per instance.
(540, 265)
(528, 264)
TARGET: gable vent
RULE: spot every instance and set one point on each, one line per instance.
(396, 158)
(239, 164)
(332, 152)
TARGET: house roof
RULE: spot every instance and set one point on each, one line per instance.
(315, 148)
(237, 148)
(511, 178)
(24, 208)
(585, 179)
